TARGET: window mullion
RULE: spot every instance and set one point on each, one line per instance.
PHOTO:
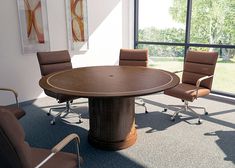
(136, 22)
(188, 25)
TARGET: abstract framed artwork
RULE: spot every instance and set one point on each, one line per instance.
(33, 25)
(77, 24)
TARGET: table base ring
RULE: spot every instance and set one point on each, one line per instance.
(129, 141)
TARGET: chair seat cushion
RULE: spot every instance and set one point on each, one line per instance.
(60, 160)
(187, 92)
(16, 111)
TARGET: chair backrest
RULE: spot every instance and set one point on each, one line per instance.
(198, 64)
(14, 151)
(54, 61)
(133, 57)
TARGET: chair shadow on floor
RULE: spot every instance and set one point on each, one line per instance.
(39, 133)
(225, 143)
(190, 117)
(159, 120)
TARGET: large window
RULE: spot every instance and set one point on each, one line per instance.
(169, 27)
(212, 23)
(163, 27)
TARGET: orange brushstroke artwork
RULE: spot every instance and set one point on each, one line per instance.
(77, 20)
(33, 13)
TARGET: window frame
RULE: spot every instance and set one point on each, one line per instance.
(186, 43)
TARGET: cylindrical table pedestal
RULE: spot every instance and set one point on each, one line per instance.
(112, 122)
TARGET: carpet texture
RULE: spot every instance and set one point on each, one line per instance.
(161, 143)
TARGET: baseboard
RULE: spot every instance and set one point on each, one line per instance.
(221, 98)
(28, 102)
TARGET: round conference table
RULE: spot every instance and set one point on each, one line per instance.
(111, 91)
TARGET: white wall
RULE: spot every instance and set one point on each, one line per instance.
(108, 23)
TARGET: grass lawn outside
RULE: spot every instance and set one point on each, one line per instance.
(224, 78)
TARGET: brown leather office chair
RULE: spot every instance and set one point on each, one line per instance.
(196, 82)
(14, 109)
(51, 62)
(134, 57)
(16, 153)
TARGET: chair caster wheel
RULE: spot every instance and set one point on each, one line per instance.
(48, 114)
(206, 113)
(199, 122)
(172, 119)
(52, 122)
(146, 112)
(164, 110)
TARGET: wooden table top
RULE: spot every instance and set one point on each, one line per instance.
(109, 81)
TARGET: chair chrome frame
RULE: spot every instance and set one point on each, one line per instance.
(19, 112)
(15, 95)
(67, 109)
(60, 146)
(134, 59)
(16, 152)
(47, 63)
(186, 107)
(197, 78)
(139, 101)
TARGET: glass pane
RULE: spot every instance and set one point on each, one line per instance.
(213, 22)
(225, 71)
(159, 21)
(224, 80)
(169, 58)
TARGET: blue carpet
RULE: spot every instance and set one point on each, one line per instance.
(161, 143)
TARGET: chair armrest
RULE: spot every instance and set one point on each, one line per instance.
(64, 142)
(14, 92)
(199, 82)
(60, 146)
(201, 79)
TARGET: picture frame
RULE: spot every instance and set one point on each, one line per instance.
(77, 25)
(33, 23)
